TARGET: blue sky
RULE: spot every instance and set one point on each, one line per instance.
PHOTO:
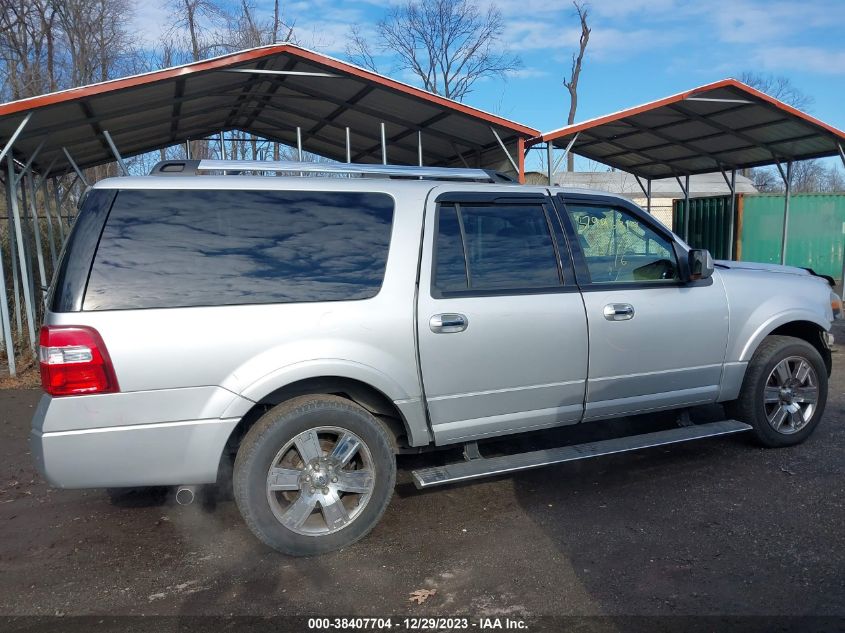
(639, 50)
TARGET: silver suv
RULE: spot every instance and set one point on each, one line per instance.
(300, 332)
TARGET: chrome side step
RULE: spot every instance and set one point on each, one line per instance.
(487, 466)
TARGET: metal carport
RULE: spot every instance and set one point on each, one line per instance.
(279, 92)
(720, 127)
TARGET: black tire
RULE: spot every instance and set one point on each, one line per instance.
(261, 448)
(750, 406)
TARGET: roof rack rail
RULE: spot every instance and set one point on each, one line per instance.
(193, 167)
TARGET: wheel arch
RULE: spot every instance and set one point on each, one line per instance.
(392, 418)
(805, 327)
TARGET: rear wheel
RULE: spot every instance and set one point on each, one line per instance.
(314, 474)
(784, 392)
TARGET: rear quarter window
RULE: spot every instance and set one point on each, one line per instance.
(168, 248)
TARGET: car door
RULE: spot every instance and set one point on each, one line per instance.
(501, 327)
(656, 341)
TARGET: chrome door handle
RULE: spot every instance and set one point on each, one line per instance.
(448, 323)
(618, 311)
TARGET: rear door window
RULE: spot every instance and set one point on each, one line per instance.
(168, 248)
(483, 248)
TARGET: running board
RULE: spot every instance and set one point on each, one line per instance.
(488, 466)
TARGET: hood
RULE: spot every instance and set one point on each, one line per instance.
(770, 268)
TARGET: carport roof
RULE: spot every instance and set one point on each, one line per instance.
(269, 91)
(720, 126)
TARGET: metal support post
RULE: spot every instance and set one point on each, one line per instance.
(460, 155)
(787, 183)
(348, 146)
(505, 150)
(22, 263)
(550, 155)
(36, 230)
(383, 144)
(32, 157)
(28, 240)
(568, 148)
(299, 143)
(222, 146)
(419, 148)
(188, 150)
(50, 233)
(732, 217)
(5, 321)
(646, 189)
(14, 136)
(75, 167)
(58, 208)
(685, 189)
(114, 151)
(13, 258)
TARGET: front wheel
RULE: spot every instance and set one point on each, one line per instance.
(314, 474)
(784, 391)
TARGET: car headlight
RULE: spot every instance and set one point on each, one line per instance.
(836, 305)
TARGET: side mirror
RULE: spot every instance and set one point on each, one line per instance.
(700, 264)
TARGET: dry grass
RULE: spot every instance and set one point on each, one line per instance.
(27, 378)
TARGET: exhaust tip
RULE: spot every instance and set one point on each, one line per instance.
(185, 495)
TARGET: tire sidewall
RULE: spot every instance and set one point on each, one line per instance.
(765, 432)
(275, 429)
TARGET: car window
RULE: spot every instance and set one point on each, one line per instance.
(170, 248)
(494, 247)
(620, 248)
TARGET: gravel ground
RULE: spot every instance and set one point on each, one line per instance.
(714, 527)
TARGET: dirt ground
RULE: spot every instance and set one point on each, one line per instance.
(714, 527)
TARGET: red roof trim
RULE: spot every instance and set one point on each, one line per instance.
(733, 83)
(224, 61)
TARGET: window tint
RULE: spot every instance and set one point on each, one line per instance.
(450, 272)
(165, 248)
(505, 247)
(619, 247)
(68, 285)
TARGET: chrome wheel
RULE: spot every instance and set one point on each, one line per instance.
(320, 481)
(791, 395)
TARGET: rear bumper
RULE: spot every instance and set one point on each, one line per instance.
(159, 453)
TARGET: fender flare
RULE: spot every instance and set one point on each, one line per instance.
(318, 368)
(774, 322)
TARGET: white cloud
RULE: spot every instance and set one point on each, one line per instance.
(804, 58)
(526, 73)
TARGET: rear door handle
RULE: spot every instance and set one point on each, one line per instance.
(448, 323)
(618, 311)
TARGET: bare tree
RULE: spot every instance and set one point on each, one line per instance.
(571, 84)
(28, 54)
(199, 21)
(358, 49)
(779, 87)
(807, 176)
(448, 44)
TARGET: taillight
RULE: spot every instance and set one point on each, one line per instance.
(74, 361)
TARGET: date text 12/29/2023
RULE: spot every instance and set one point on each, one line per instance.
(417, 624)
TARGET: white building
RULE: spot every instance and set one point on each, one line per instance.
(663, 191)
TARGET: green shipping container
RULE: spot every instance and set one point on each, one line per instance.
(709, 225)
(815, 236)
